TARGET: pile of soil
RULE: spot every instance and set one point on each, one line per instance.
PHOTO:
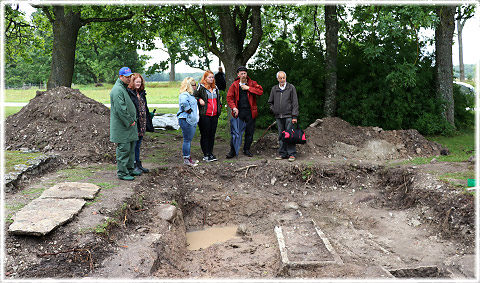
(63, 121)
(336, 138)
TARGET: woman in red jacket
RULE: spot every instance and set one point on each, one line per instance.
(209, 108)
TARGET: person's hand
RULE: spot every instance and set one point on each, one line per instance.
(245, 87)
(132, 124)
(235, 112)
(294, 121)
(201, 102)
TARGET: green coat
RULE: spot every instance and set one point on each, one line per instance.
(122, 115)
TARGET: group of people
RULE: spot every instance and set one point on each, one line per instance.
(202, 105)
(199, 104)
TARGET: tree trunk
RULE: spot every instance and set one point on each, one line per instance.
(234, 53)
(65, 31)
(172, 69)
(443, 60)
(331, 40)
(460, 49)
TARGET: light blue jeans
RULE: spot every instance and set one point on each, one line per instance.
(188, 132)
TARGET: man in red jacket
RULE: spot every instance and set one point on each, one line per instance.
(242, 99)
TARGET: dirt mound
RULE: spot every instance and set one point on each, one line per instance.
(336, 138)
(64, 121)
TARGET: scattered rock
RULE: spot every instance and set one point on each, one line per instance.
(166, 212)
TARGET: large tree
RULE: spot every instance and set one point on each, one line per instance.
(239, 28)
(66, 22)
(331, 42)
(443, 59)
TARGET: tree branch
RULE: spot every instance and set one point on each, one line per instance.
(103, 20)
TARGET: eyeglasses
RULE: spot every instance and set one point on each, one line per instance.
(194, 85)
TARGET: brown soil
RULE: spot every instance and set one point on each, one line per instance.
(64, 121)
(376, 217)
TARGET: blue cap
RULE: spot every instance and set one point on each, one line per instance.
(125, 71)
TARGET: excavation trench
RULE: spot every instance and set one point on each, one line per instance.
(329, 221)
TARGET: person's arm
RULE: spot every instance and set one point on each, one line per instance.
(255, 88)
(120, 108)
(231, 99)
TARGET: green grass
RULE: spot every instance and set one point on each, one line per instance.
(461, 147)
(75, 174)
(34, 191)
(11, 110)
(159, 93)
(13, 158)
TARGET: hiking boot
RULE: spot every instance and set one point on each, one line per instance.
(139, 166)
(136, 172)
(213, 157)
(247, 153)
(126, 178)
(230, 155)
(291, 158)
(281, 157)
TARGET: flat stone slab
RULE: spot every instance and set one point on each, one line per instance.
(42, 215)
(304, 244)
(71, 190)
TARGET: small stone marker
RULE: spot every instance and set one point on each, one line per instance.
(53, 208)
(42, 215)
(71, 190)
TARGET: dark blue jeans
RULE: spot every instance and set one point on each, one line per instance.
(286, 149)
(137, 148)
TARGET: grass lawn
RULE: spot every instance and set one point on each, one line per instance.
(461, 147)
(12, 110)
(157, 93)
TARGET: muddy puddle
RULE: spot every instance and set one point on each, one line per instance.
(213, 235)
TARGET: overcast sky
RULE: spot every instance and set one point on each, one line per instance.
(471, 44)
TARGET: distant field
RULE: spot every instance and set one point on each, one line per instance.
(157, 93)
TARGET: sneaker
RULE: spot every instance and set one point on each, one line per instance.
(281, 157)
(190, 162)
(291, 158)
(206, 157)
(213, 157)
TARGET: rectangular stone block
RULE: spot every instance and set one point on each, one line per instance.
(43, 215)
(71, 190)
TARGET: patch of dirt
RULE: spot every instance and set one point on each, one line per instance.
(336, 138)
(377, 218)
(64, 121)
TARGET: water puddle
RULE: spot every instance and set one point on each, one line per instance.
(204, 238)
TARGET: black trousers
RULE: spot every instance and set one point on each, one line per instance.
(208, 128)
(246, 116)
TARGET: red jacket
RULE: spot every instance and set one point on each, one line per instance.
(233, 95)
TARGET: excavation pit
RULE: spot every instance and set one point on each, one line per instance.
(337, 221)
